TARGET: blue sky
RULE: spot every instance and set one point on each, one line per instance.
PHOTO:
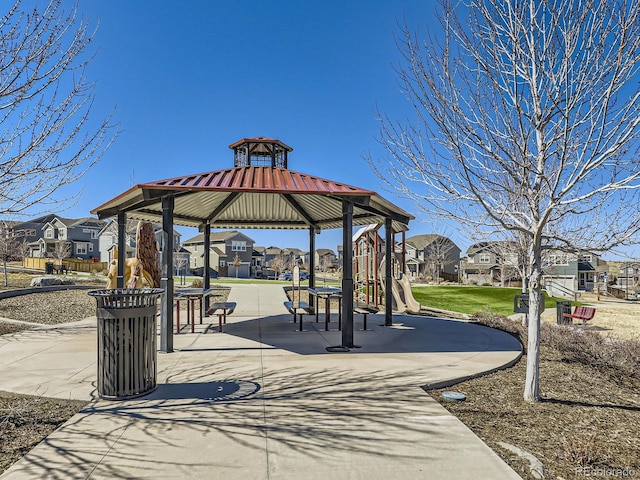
(188, 78)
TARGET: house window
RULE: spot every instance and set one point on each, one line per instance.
(48, 233)
(91, 247)
(238, 246)
(586, 258)
(223, 263)
(484, 258)
(62, 233)
(81, 248)
(558, 259)
(94, 234)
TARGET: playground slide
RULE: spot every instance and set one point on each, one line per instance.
(411, 304)
(403, 300)
(397, 304)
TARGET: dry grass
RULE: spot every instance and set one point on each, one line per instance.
(614, 317)
(25, 421)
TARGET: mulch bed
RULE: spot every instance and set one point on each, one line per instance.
(587, 423)
(25, 421)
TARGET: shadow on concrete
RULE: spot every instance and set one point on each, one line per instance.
(316, 414)
(408, 334)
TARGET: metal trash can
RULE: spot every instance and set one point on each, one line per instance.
(126, 341)
(48, 268)
(561, 308)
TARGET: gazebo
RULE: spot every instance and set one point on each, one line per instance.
(258, 192)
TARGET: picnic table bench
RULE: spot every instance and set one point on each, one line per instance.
(222, 309)
(581, 313)
(365, 310)
(299, 308)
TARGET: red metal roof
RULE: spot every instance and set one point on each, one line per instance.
(258, 179)
(254, 197)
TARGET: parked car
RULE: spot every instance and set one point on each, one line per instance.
(285, 276)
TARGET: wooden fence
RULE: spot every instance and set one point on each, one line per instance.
(72, 264)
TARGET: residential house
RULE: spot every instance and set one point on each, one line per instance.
(326, 260)
(294, 256)
(258, 261)
(230, 254)
(10, 247)
(273, 259)
(433, 255)
(46, 234)
(572, 272)
(414, 266)
(108, 242)
(629, 276)
(495, 262)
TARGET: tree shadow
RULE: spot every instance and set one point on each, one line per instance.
(575, 403)
(314, 414)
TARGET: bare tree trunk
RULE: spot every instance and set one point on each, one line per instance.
(532, 380)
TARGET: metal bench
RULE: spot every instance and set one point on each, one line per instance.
(581, 313)
(365, 310)
(299, 308)
(222, 309)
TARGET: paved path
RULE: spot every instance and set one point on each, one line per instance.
(264, 401)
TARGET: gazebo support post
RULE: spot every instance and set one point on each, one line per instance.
(166, 282)
(122, 252)
(347, 273)
(312, 264)
(388, 246)
(206, 272)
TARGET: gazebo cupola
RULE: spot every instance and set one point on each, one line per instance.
(260, 152)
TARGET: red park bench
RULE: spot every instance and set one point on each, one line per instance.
(581, 313)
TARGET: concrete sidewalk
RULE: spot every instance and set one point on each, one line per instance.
(264, 401)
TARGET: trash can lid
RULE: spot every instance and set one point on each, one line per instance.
(125, 292)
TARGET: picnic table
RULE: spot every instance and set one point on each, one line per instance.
(328, 294)
(191, 296)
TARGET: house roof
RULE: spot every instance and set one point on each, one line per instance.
(217, 237)
(254, 197)
(423, 241)
(324, 251)
(132, 225)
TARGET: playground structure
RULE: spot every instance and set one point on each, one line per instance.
(144, 267)
(368, 272)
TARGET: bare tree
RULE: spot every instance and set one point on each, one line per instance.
(46, 140)
(437, 255)
(180, 261)
(236, 263)
(279, 263)
(526, 120)
(61, 250)
(11, 248)
(509, 258)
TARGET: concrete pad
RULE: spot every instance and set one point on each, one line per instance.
(265, 401)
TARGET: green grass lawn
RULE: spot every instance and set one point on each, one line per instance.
(472, 299)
